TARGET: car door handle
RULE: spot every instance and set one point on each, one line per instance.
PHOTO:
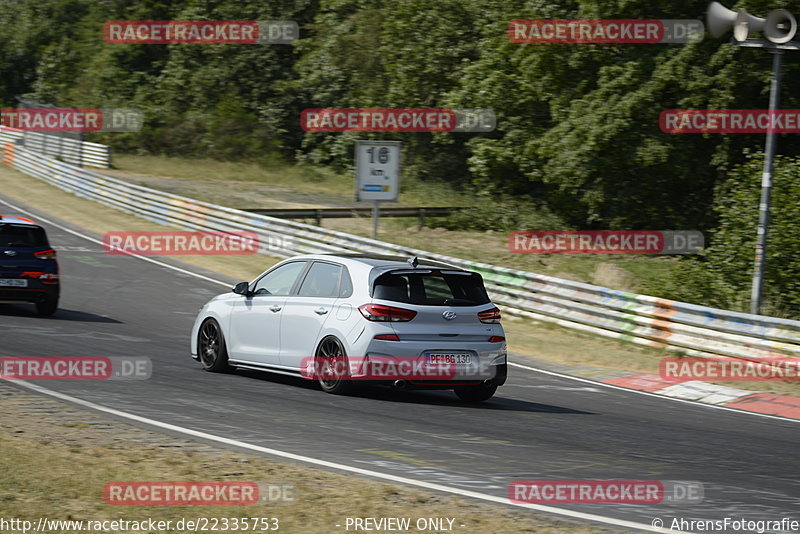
(320, 311)
(275, 308)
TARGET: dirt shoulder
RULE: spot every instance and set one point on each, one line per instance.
(57, 458)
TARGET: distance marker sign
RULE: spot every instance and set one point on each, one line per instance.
(378, 170)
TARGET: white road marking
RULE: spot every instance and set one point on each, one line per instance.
(343, 467)
(93, 240)
(557, 388)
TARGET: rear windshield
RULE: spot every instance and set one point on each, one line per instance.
(13, 235)
(432, 288)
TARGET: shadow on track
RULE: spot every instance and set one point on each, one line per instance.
(448, 398)
(445, 398)
(28, 310)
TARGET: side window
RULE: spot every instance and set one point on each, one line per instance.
(279, 281)
(346, 287)
(322, 280)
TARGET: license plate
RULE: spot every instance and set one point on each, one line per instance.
(455, 358)
(13, 282)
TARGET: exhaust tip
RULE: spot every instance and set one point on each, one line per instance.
(399, 384)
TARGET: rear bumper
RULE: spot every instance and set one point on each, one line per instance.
(29, 294)
(487, 363)
(500, 374)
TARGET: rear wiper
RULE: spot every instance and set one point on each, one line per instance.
(458, 302)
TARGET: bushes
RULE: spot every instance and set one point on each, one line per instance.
(721, 276)
(503, 214)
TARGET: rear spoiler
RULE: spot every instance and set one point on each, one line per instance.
(23, 219)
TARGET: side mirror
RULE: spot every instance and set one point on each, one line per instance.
(241, 288)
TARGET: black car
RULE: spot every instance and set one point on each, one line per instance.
(28, 266)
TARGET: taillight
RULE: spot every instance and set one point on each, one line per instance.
(387, 337)
(491, 316)
(496, 339)
(381, 313)
(49, 279)
(45, 278)
(48, 254)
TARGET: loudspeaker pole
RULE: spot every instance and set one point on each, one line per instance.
(779, 28)
(760, 263)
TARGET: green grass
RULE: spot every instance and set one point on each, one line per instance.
(300, 178)
(623, 272)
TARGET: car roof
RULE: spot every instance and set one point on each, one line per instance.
(372, 266)
(381, 261)
(7, 219)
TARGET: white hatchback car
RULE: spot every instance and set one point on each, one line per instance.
(338, 319)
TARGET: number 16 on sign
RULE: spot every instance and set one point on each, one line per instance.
(377, 175)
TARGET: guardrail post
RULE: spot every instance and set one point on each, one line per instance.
(80, 149)
(318, 215)
(421, 218)
(376, 214)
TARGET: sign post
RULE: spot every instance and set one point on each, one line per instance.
(377, 175)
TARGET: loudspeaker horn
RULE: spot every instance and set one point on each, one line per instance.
(719, 19)
(746, 24)
(780, 26)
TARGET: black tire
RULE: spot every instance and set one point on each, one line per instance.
(476, 393)
(331, 363)
(211, 347)
(47, 307)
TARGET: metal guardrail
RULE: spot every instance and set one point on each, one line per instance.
(70, 150)
(345, 213)
(688, 328)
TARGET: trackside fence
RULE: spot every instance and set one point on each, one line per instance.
(688, 328)
(70, 150)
